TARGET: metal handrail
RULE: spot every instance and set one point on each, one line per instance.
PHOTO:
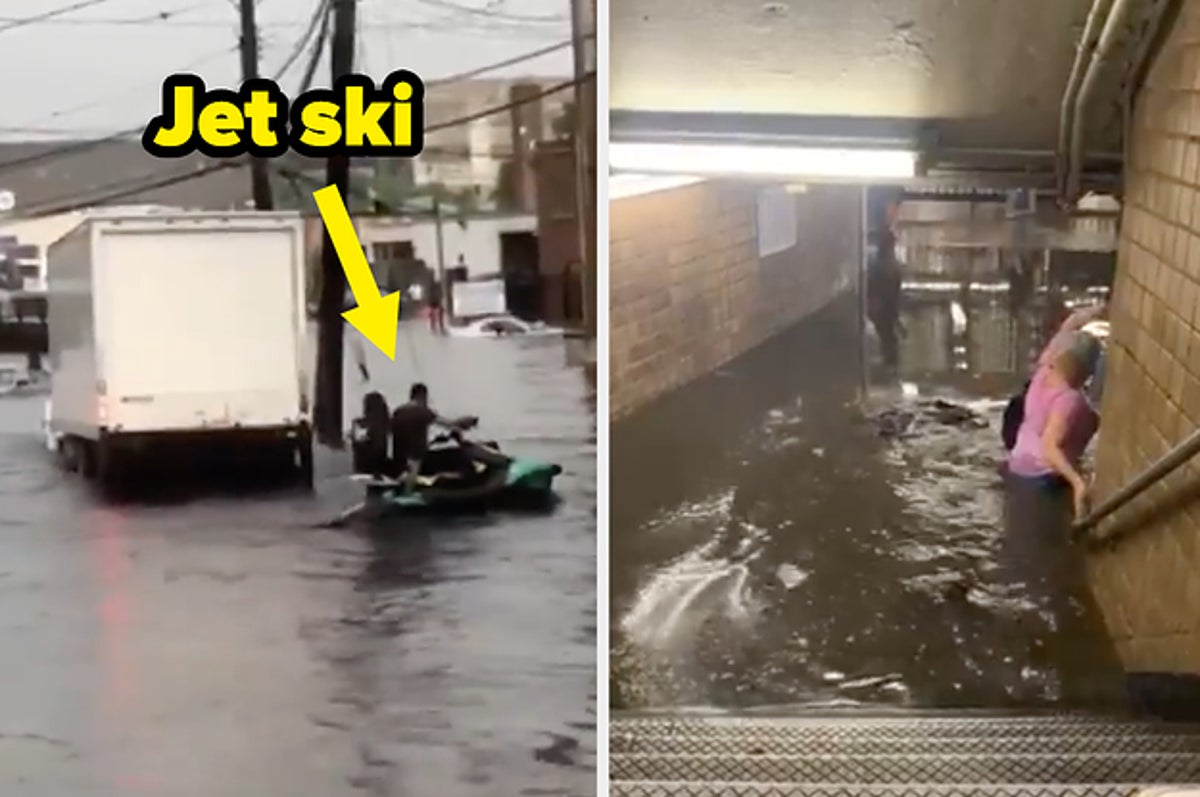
(1160, 469)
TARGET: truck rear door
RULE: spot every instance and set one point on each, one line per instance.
(200, 327)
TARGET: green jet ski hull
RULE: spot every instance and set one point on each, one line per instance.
(510, 482)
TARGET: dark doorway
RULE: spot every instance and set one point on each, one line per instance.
(392, 262)
(522, 280)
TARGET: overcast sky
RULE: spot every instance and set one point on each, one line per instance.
(99, 69)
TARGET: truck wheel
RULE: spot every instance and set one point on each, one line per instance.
(304, 451)
(85, 452)
(68, 455)
(108, 468)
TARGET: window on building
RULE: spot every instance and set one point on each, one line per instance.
(392, 250)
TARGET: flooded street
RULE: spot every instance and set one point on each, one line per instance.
(228, 646)
(776, 541)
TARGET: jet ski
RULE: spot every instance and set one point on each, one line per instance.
(456, 475)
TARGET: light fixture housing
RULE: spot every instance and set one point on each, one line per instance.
(762, 160)
(765, 146)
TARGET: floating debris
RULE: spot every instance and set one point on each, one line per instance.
(871, 681)
(790, 575)
(897, 422)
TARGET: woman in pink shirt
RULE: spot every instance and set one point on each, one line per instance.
(1058, 422)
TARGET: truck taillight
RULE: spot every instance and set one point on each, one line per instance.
(304, 403)
(102, 410)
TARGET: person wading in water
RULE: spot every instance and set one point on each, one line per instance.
(437, 312)
(1057, 421)
(1067, 333)
(883, 289)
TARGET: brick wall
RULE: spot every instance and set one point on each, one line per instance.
(689, 291)
(558, 229)
(1147, 581)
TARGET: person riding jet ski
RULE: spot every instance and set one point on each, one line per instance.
(410, 432)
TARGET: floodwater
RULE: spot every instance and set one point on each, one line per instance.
(771, 544)
(226, 645)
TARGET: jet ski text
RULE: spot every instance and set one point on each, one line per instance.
(355, 117)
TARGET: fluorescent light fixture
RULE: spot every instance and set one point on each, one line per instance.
(621, 186)
(761, 161)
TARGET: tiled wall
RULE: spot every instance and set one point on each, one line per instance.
(1148, 582)
(689, 291)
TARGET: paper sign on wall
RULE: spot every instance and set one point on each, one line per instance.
(776, 221)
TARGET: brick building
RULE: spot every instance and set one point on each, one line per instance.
(559, 258)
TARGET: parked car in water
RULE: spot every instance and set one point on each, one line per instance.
(502, 326)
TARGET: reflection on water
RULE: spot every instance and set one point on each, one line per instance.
(773, 541)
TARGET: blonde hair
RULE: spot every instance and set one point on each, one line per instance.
(1069, 367)
(1076, 361)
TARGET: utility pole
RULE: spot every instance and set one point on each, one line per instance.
(583, 30)
(441, 248)
(260, 181)
(330, 352)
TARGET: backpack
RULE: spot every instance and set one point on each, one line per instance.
(1014, 414)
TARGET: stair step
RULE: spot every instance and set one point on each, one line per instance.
(981, 767)
(758, 744)
(841, 727)
(723, 789)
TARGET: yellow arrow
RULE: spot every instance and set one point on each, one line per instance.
(376, 316)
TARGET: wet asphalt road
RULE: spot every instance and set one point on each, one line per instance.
(770, 547)
(221, 644)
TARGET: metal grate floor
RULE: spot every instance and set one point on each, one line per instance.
(839, 755)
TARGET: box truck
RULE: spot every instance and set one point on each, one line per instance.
(180, 332)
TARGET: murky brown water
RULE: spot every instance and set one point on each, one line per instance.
(770, 546)
(224, 645)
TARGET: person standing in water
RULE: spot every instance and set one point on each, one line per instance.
(884, 288)
(1066, 333)
(437, 312)
(1058, 422)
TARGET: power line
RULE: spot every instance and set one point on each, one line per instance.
(150, 19)
(20, 22)
(126, 187)
(142, 188)
(508, 106)
(319, 13)
(322, 19)
(483, 70)
(318, 49)
(448, 24)
(99, 193)
(103, 99)
(68, 149)
(490, 14)
(73, 133)
(83, 146)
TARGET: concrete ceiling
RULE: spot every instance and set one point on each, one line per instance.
(989, 73)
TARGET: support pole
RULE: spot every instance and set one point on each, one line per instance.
(443, 285)
(260, 181)
(583, 28)
(330, 352)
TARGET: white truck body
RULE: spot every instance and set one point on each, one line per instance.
(179, 322)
